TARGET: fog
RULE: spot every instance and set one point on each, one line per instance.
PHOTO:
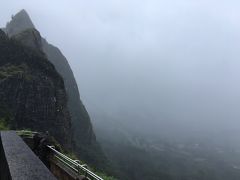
(158, 66)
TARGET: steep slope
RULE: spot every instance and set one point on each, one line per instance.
(31, 38)
(32, 93)
(81, 121)
(85, 144)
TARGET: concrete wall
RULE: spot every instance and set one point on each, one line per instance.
(60, 171)
(17, 161)
(4, 170)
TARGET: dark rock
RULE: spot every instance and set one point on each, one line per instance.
(2, 34)
(84, 138)
(32, 93)
(20, 22)
(30, 38)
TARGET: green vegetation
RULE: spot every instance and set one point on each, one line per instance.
(73, 156)
(3, 124)
(11, 70)
(5, 118)
(25, 132)
(104, 176)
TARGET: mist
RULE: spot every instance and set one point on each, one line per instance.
(155, 66)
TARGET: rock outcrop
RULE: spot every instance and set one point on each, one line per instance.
(85, 145)
(32, 93)
(31, 38)
(20, 22)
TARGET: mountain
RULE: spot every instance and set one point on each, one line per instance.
(85, 144)
(20, 22)
(32, 93)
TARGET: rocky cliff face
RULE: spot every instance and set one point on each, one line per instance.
(83, 132)
(32, 93)
(85, 145)
(80, 118)
(31, 38)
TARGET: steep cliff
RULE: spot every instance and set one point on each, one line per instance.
(85, 144)
(31, 38)
(80, 118)
(32, 93)
(85, 141)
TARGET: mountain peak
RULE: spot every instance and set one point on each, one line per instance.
(22, 14)
(23, 11)
(20, 22)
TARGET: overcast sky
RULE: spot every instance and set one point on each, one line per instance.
(159, 61)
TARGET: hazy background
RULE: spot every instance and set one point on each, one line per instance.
(158, 66)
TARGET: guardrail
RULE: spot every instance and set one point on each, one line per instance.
(74, 165)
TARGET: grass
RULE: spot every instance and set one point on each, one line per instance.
(3, 125)
(104, 176)
(10, 70)
(100, 174)
(25, 132)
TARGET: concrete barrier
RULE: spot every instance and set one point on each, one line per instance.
(18, 162)
(4, 170)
